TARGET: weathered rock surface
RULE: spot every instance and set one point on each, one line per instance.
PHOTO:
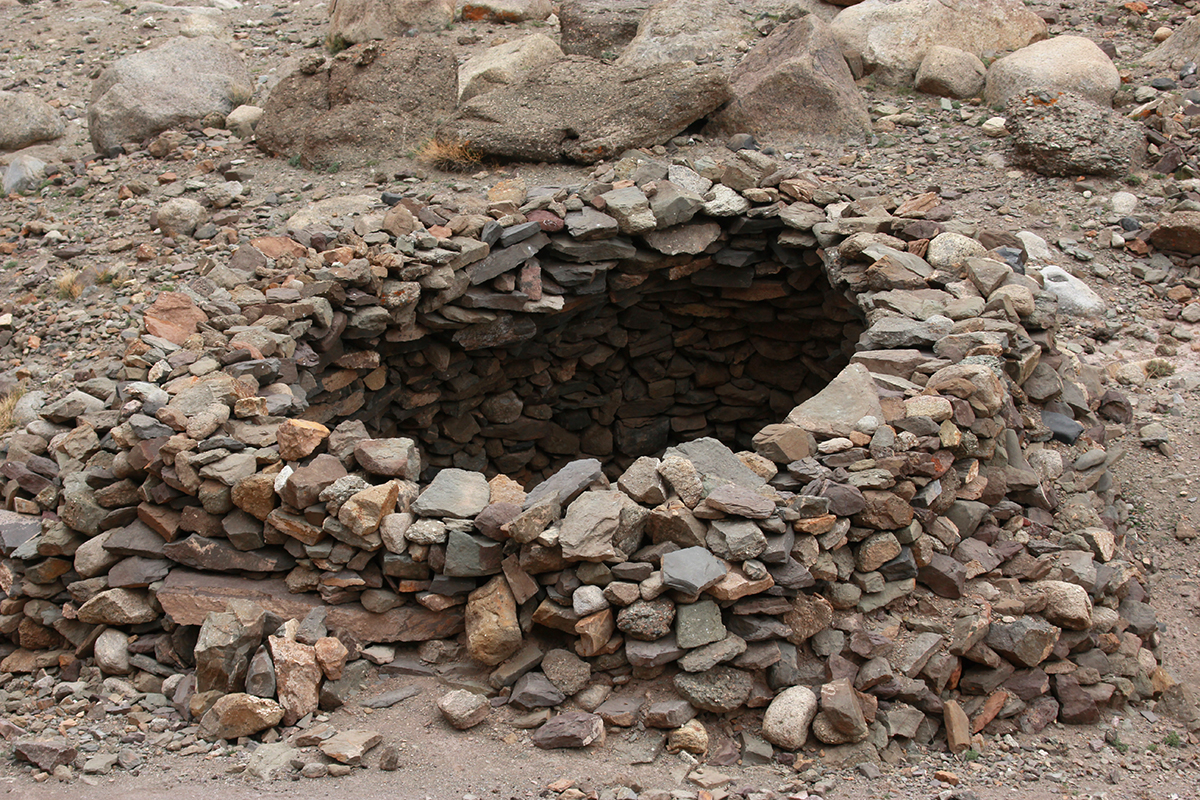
(795, 82)
(1062, 64)
(581, 111)
(374, 97)
(493, 631)
(27, 120)
(1071, 136)
(356, 21)
(505, 64)
(891, 37)
(238, 714)
(178, 82)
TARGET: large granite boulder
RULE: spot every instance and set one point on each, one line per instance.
(1180, 47)
(579, 110)
(599, 28)
(795, 82)
(372, 101)
(357, 21)
(26, 119)
(891, 37)
(685, 30)
(504, 64)
(1062, 64)
(181, 81)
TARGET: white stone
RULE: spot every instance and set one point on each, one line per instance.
(994, 127)
(1037, 249)
(937, 408)
(725, 202)
(111, 652)
(787, 719)
(837, 445)
(24, 174)
(868, 424)
(1123, 203)
(1067, 604)
(1075, 298)
(951, 249)
(242, 121)
(588, 599)
(1048, 464)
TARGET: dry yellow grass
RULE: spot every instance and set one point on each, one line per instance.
(69, 285)
(449, 155)
(8, 404)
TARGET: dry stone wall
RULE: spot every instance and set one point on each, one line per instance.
(448, 418)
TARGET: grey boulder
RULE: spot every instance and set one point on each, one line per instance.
(26, 119)
(579, 110)
(795, 81)
(146, 93)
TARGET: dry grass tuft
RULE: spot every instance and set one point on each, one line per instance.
(69, 285)
(8, 404)
(449, 155)
(1159, 368)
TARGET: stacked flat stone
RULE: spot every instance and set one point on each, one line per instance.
(905, 542)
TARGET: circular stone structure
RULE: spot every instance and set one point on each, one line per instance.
(725, 389)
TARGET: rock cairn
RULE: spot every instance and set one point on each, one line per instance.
(904, 551)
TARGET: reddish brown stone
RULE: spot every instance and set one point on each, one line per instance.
(187, 597)
(161, 520)
(885, 511)
(276, 246)
(173, 317)
(493, 631)
(958, 727)
(298, 438)
(255, 495)
(297, 677)
(595, 632)
(304, 485)
(991, 707)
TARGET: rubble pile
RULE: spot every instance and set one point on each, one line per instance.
(363, 435)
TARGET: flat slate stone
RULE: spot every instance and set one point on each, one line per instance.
(16, 529)
(653, 654)
(187, 597)
(534, 690)
(833, 411)
(454, 493)
(198, 552)
(472, 556)
(389, 699)
(567, 483)
(692, 569)
(698, 624)
(135, 539)
(621, 711)
(572, 729)
(714, 461)
(708, 656)
(669, 713)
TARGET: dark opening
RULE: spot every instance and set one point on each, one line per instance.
(641, 357)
